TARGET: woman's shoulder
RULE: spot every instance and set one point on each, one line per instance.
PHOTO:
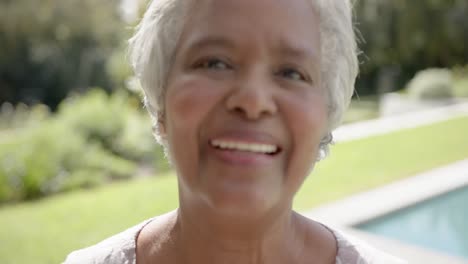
(348, 249)
(352, 250)
(117, 249)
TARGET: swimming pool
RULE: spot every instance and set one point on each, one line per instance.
(440, 223)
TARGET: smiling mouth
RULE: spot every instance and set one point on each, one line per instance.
(259, 148)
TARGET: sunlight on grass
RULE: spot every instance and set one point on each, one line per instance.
(362, 164)
(48, 229)
(45, 231)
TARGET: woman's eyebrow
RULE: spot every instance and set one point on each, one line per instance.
(211, 41)
(303, 56)
(297, 52)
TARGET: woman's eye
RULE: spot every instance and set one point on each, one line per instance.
(215, 64)
(292, 74)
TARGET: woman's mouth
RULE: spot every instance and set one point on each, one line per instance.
(245, 148)
(260, 148)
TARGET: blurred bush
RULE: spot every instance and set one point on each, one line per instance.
(93, 139)
(460, 81)
(460, 87)
(361, 109)
(117, 122)
(22, 116)
(431, 84)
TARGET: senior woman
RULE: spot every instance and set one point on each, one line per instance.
(244, 95)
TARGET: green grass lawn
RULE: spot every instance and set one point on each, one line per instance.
(45, 231)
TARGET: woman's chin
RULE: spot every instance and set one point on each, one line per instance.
(241, 203)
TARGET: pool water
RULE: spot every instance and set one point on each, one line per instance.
(440, 223)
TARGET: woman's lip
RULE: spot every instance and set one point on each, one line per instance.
(247, 137)
(242, 158)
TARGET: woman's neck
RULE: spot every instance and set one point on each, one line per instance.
(208, 237)
(184, 238)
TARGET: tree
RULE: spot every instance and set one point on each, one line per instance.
(51, 47)
(402, 37)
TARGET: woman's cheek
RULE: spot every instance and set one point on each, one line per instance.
(306, 119)
(188, 101)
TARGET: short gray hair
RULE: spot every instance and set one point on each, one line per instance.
(152, 50)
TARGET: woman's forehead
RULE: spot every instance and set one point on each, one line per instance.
(254, 10)
(291, 26)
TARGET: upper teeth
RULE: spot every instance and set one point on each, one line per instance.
(242, 146)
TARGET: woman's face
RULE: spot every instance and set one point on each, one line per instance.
(244, 109)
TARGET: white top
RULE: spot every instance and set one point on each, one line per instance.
(120, 249)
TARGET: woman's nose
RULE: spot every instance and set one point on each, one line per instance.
(252, 98)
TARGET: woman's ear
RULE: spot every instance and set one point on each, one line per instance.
(159, 132)
(159, 128)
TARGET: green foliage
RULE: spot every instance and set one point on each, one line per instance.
(460, 81)
(93, 139)
(460, 71)
(96, 116)
(118, 68)
(22, 116)
(403, 37)
(116, 121)
(427, 34)
(431, 84)
(460, 87)
(47, 159)
(49, 48)
(32, 160)
(362, 109)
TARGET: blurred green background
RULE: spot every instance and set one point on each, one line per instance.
(77, 158)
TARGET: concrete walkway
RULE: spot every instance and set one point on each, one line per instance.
(398, 122)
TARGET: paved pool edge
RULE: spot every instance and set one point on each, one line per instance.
(396, 196)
